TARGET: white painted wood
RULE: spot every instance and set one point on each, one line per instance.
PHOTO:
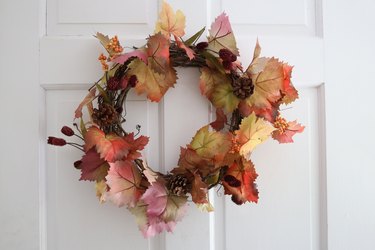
(349, 45)
(86, 17)
(291, 213)
(19, 128)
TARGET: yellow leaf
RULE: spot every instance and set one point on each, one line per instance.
(209, 79)
(205, 207)
(210, 144)
(170, 23)
(251, 133)
(101, 189)
(151, 82)
(223, 97)
(267, 83)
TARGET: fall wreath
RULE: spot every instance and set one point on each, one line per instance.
(247, 106)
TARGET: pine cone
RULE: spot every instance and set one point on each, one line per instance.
(106, 115)
(242, 87)
(178, 185)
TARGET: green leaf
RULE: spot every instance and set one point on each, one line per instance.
(103, 93)
(83, 127)
(195, 37)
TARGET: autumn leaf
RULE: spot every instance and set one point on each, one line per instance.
(139, 53)
(221, 120)
(239, 182)
(267, 84)
(223, 97)
(105, 41)
(136, 145)
(209, 79)
(221, 35)
(285, 135)
(111, 147)
(251, 133)
(87, 101)
(210, 144)
(123, 180)
(158, 53)
(290, 94)
(101, 190)
(189, 52)
(93, 168)
(160, 211)
(269, 114)
(170, 23)
(189, 162)
(199, 190)
(151, 176)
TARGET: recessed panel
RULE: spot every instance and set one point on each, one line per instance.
(287, 214)
(99, 11)
(267, 11)
(75, 218)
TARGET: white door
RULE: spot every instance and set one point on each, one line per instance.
(47, 208)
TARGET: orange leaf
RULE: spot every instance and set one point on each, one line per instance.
(289, 91)
(286, 135)
(110, 147)
(199, 190)
(239, 182)
(170, 23)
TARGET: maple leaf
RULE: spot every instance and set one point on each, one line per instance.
(221, 35)
(209, 79)
(105, 41)
(221, 120)
(267, 84)
(239, 182)
(93, 168)
(189, 162)
(101, 190)
(199, 190)
(211, 144)
(170, 23)
(269, 114)
(139, 53)
(189, 52)
(151, 82)
(158, 53)
(111, 147)
(151, 176)
(123, 180)
(135, 146)
(252, 132)
(289, 91)
(223, 97)
(285, 135)
(87, 101)
(162, 210)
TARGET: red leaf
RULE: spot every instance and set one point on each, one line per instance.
(110, 147)
(290, 93)
(221, 120)
(93, 168)
(135, 146)
(241, 172)
(286, 135)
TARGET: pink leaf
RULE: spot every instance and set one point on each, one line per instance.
(189, 52)
(124, 179)
(136, 53)
(286, 135)
(156, 198)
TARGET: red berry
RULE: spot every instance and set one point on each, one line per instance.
(67, 131)
(56, 141)
(227, 65)
(132, 81)
(113, 83)
(201, 46)
(77, 164)
(227, 55)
